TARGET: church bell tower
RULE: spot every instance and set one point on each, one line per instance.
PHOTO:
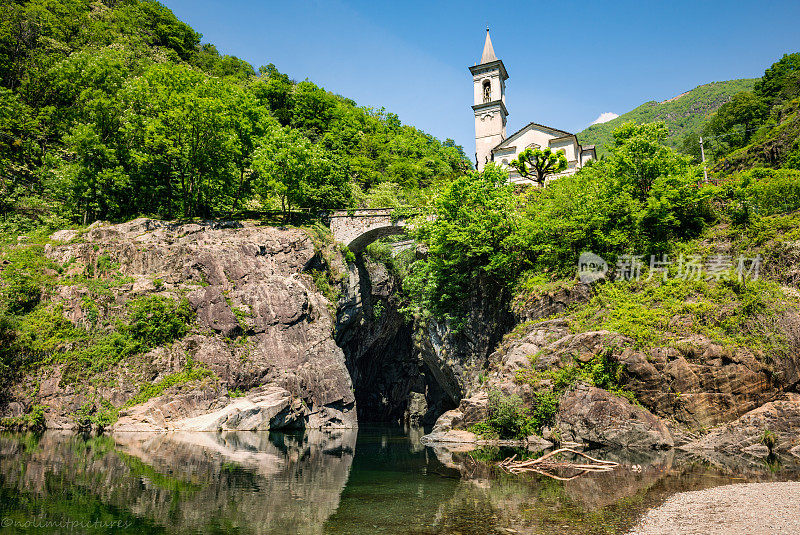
(489, 81)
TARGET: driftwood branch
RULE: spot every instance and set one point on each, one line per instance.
(544, 464)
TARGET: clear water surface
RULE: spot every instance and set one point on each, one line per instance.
(376, 480)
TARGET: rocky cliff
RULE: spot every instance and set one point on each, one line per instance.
(679, 391)
(262, 329)
(283, 333)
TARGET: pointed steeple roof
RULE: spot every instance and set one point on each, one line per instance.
(488, 50)
(489, 60)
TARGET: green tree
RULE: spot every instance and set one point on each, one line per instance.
(298, 172)
(640, 156)
(538, 164)
(112, 109)
(19, 150)
(735, 122)
(781, 82)
(95, 183)
(178, 125)
(468, 234)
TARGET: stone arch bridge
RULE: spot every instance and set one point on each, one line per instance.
(359, 228)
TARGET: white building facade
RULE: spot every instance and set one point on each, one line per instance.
(491, 143)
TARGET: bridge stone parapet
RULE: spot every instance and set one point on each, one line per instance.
(359, 228)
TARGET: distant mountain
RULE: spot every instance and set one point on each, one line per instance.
(684, 114)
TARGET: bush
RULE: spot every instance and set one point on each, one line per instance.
(380, 252)
(32, 421)
(156, 320)
(774, 191)
(45, 332)
(508, 418)
(761, 192)
(508, 415)
(677, 208)
(91, 414)
(8, 357)
(349, 256)
(25, 278)
(545, 409)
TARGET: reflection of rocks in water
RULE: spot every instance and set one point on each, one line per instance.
(247, 482)
(637, 470)
(596, 502)
(743, 465)
(315, 483)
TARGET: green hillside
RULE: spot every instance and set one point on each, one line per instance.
(115, 108)
(684, 114)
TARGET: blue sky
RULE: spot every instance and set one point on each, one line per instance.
(567, 63)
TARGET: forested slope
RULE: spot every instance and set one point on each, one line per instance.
(113, 109)
(685, 115)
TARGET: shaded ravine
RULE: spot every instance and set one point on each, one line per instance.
(392, 383)
(411, 371)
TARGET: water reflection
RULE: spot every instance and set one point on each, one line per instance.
(381, 481)
(179, 482)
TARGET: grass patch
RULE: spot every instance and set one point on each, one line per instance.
(325, 285)
(45, 336)
(190, 373)
(659, 313)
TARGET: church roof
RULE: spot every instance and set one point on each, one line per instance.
(530, 126)
(488, 50)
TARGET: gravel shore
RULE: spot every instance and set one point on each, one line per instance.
(750, 508)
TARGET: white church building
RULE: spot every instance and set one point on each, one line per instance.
(491, 143)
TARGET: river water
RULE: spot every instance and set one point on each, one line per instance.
(376, 480)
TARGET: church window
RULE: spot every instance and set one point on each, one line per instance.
(487, 91)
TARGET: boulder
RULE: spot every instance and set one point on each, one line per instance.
(474, 409)
(268, 408)
(446, 430)
(537, 443)
(781, 418)
(593, 415)
(271, 409)
(64, 235)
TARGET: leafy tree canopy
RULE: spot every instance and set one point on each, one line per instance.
(110, 109)
(642, 199)
(537, 164)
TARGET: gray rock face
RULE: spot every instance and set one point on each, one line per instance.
(590, 414)
(548, 304)
(449, 429)
(705, 384)
(392, 382)
(456, 357)
(240, 281)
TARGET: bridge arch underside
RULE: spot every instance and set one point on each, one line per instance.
(361, 241)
